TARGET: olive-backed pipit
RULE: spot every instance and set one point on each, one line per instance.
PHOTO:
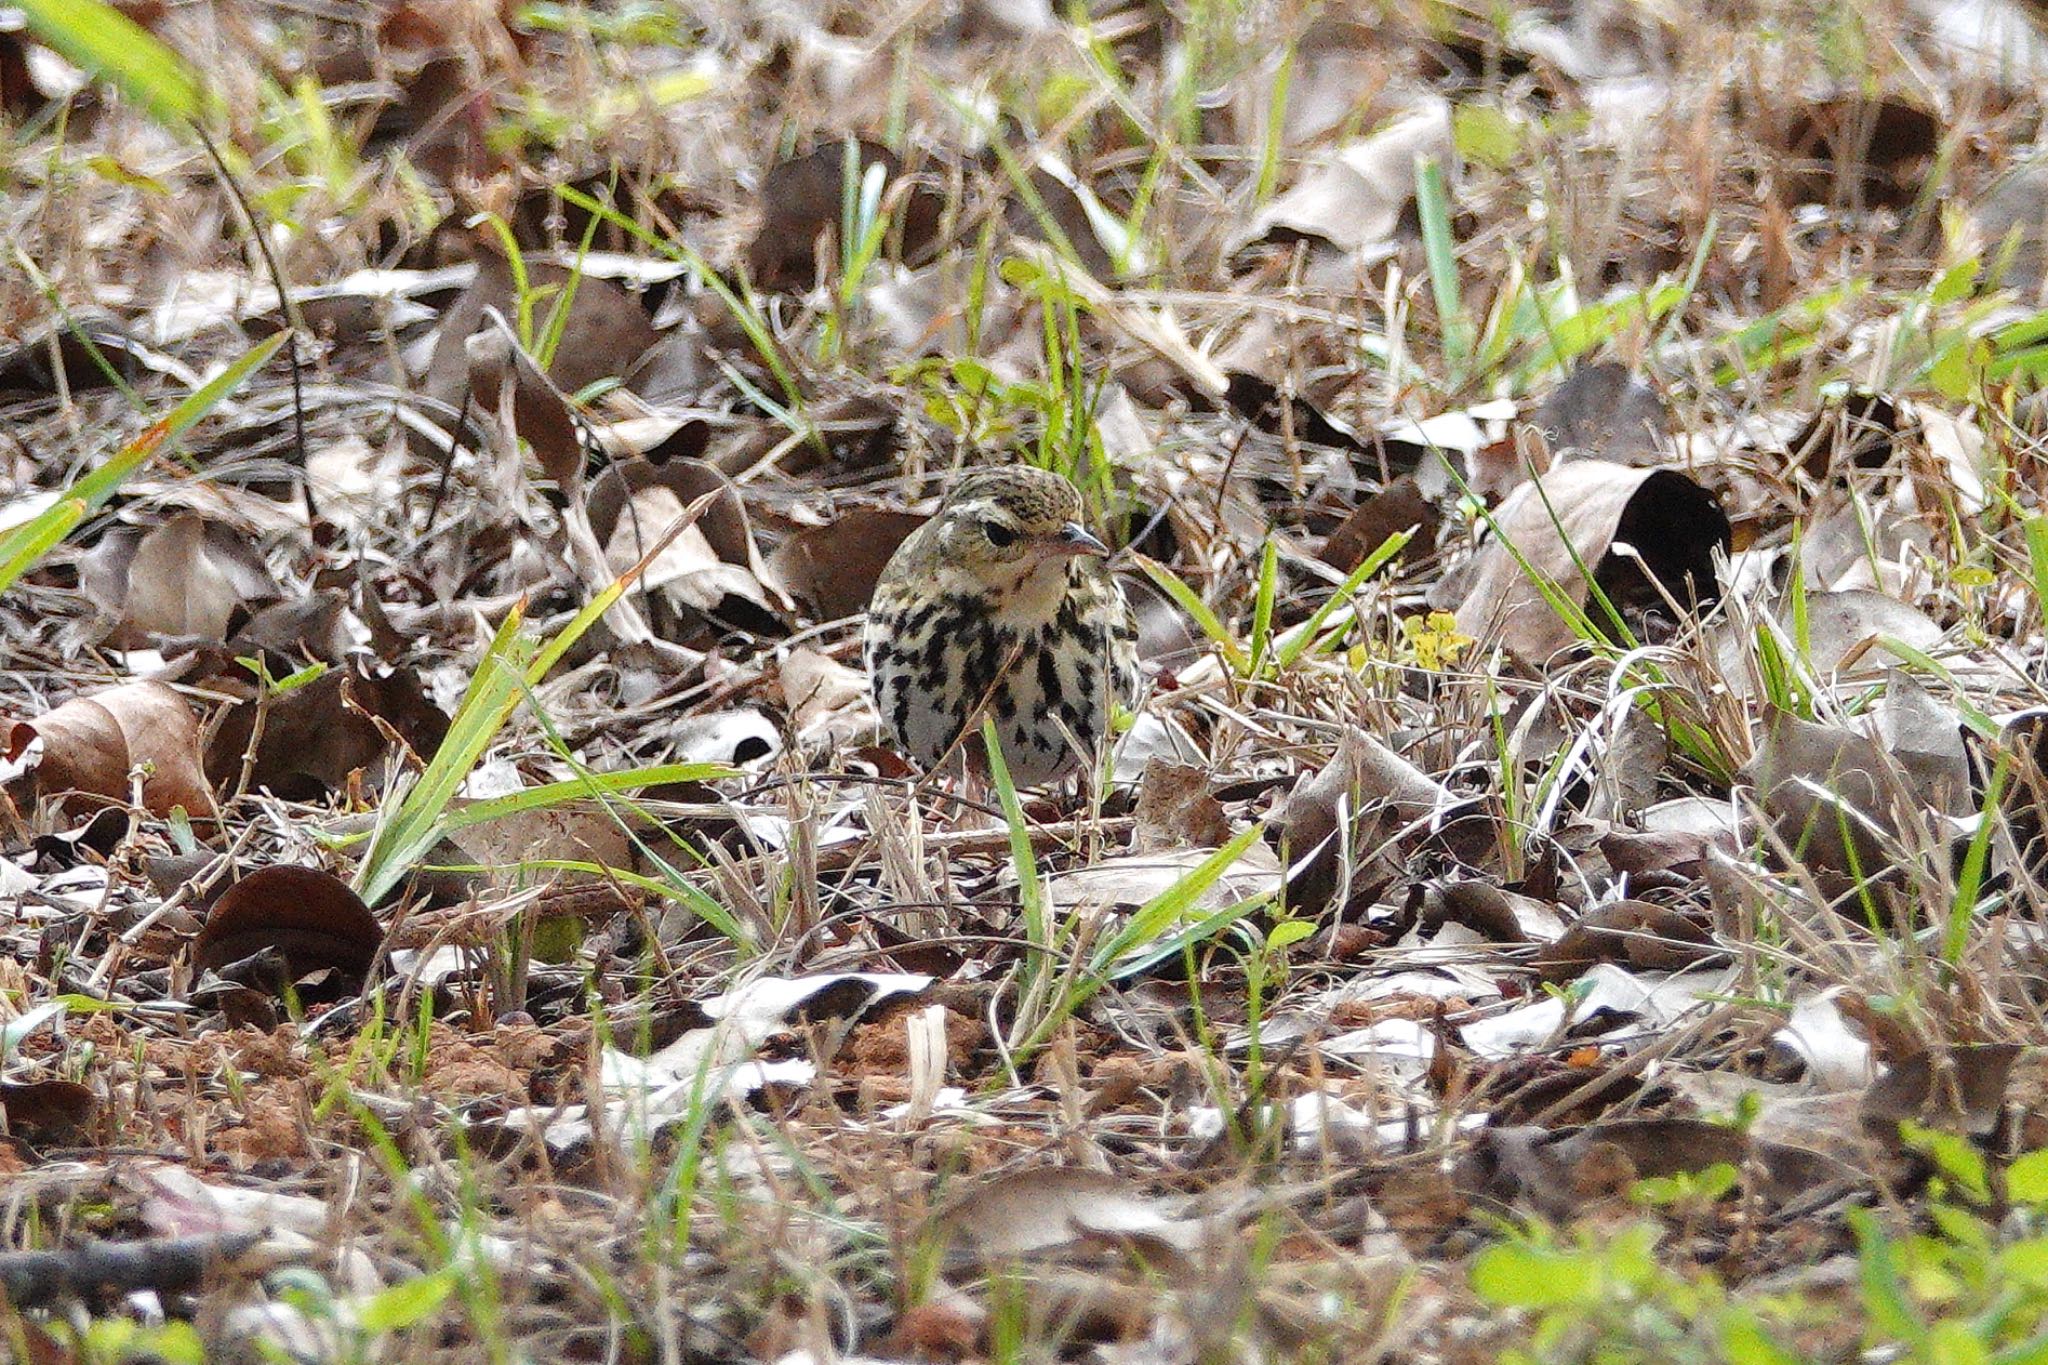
(1000, 606)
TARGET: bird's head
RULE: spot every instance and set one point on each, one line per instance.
(1003, 526)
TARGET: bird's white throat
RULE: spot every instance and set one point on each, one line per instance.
(1032, 594)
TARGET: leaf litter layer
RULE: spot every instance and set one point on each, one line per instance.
(1569, 890)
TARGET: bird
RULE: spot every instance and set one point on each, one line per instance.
(1001, 607)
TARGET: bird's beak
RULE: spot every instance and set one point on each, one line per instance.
(1072, 540)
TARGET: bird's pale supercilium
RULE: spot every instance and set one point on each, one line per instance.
(1001, 606)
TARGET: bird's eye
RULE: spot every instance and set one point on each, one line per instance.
(998, 534)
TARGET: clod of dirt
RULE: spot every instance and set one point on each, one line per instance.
(47, 1111)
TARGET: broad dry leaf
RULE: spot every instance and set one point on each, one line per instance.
(1050, 1207)
(828, 702)
(1838, 798)
(1496, 914)
(1128, 880)
(832, 568)
(1365, 793)
(1564, 526)
(315, 737)
(606, 333)
(1846, 632)
(90, 745)
(687, 566)
(634, 504)
(1353, 198)
(540, 411)
(185, 577)
(1603, 412)
(1646, 937)
(1950, 1089)
(309, 916)
(1398, 507)
(1176, 809)
(803, 199)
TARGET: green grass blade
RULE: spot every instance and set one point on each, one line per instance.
(1970, 880)
(557, 322)
(1177, 944)
(1172, 905)
(1262, 606)
(1276, 129)
(510, 665)
(1295, 641)
(1189, 601)
(407, 830)
(573, 788)
(660, 888)
(2036, 528)
(1440, 254)
(1174, 901)
(1802, 627)
(106, 42)
(24, 545)
(1110, 959)
(1570, 337)
(1030, 889)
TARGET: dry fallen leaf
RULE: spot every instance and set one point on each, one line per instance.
(1846, 634)
(833, 568)
(803, 198)
(1398, 507)
(606, 333)
(1366, 793)
(1123, 881)
(1050, 1207)
(828, 702)
(1602, 412)
(1571, 521)
(1956, 1088)
(1646, 937)
(1839, 797)
(316, 736)
(1176, 809)
(308, 916)
(1850, 145)
(713, 565)
(186, 576)
(88, 747)
(1353, 198)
